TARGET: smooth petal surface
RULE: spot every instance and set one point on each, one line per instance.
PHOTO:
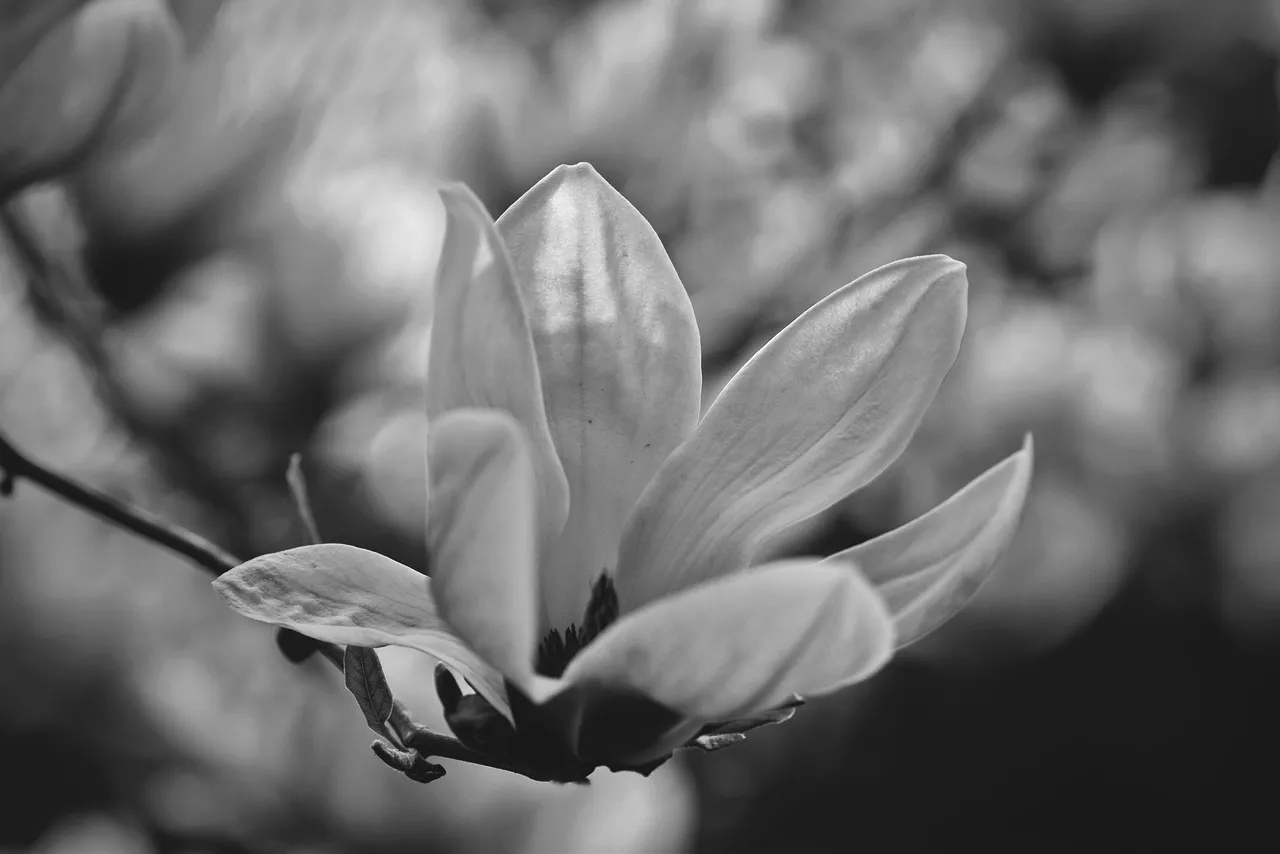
(346, 595)
(817, 413)
(480, 536)
(482, 352)
(929, 568)
(618, 349)
(745, 642)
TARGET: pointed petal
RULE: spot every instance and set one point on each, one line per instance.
(817, 413)
(345, 595)
(480, 536)
(618, 348)
(745, 642)
(929, 568)
(482, 351)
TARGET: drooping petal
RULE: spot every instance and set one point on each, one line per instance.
(346, 595)
(482, 352)
(618, 348)
(480, 536)
(745, 642)
(927, 569)
(817, 413)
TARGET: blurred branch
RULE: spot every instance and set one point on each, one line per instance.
(14, 465)
(420, 741)
(57, 289)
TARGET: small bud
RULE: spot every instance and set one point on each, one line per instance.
(474, 721)
(295, 647)
(447, 689)
(408, 762)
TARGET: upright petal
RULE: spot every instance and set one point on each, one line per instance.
(618, 348)
(817, 413)
(345, 595)
(482, 351)
(745, 642)
(480, 536)
(929, 568)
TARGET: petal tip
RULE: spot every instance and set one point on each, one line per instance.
(222, 587)
(927, 273)
(1026, 458)
(951, 270)
(581, 174)
(459, 193)
(582, 167)
(939, 269)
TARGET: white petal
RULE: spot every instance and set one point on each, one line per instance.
(929, 568)
(744, 642)
(480, 537)
(482, 351)
(618, 349)
(345, 595)
(817, 413)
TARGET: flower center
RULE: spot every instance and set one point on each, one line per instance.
(557, 650)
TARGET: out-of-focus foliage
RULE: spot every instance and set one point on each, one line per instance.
(1104, 167)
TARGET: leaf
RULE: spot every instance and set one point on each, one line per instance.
(366, 680)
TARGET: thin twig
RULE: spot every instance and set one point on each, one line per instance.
(301, 499)
(146, 525)
(15, 466)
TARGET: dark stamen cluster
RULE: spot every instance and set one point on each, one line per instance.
(557, 650)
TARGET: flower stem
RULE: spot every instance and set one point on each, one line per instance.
(15, 466)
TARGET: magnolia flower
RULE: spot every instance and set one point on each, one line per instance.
(592, 542)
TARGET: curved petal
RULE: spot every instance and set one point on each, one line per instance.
(817, 413)
(480, 536)
(618, 348)
(345, 595)
(482, 351)
(745, 642)
(927, 569)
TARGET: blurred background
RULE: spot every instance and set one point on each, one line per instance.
(1104, 167)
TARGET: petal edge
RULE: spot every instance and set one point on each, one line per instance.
(346, 595)
(814, 415)
(929, 568)
(746, 642)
